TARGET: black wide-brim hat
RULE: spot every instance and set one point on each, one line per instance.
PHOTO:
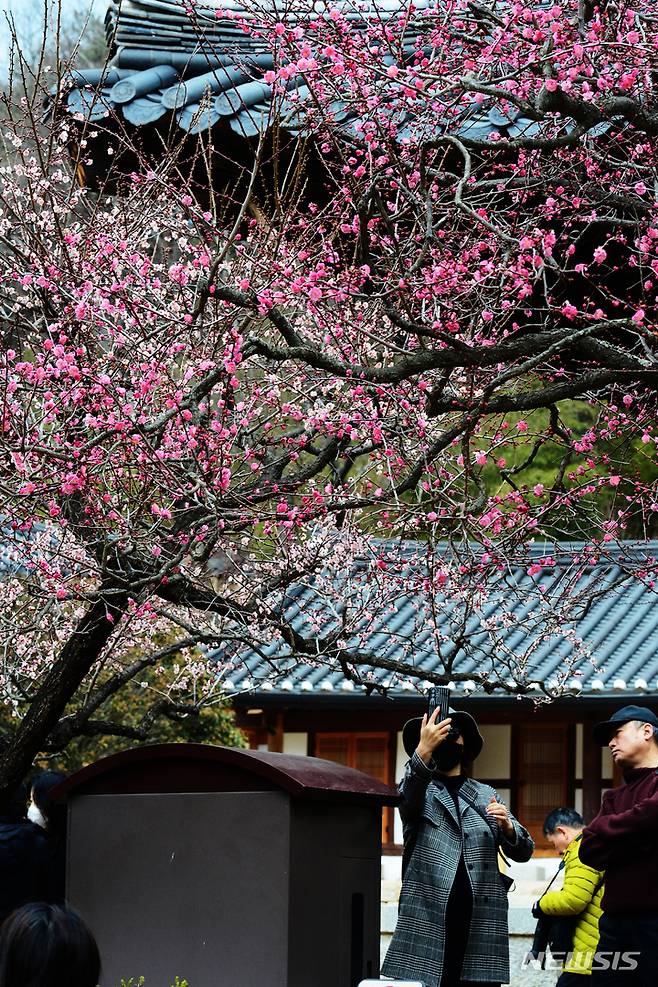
(464, 722)
(604, 732)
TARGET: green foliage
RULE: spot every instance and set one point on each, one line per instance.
(550, 464)
(213, 724)
(165, 704)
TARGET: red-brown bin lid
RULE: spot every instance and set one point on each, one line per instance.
(168, 768)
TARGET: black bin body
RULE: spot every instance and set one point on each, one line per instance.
(226, 867)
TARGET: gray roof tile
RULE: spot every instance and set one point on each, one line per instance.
(155, 40)
(619, 628)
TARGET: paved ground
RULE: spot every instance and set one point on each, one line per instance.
(521, 976)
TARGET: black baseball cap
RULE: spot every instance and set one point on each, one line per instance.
(603, 731)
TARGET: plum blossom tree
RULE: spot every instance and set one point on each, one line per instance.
(446, 337)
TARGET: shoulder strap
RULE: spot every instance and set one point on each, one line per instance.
(478, 808)
(552, 880)
(561, 867)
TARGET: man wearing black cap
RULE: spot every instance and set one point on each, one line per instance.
(623, 841)
(452, 918)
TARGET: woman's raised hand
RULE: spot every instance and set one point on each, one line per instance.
(431, 735)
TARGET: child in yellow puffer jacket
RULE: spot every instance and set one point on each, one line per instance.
(579, 896)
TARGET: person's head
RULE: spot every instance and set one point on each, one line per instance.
(43, 809)
(634, 744)
(461, 747)
(47, 946)
(632, 736)
(561, 827)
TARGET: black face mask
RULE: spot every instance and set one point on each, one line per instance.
(448, 755)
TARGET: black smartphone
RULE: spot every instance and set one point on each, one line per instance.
(438, 695)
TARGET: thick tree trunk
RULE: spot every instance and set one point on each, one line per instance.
(59, 686)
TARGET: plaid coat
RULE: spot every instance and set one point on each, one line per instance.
(428, 811)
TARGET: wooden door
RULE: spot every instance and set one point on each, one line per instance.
(542, 762)
(367, 752)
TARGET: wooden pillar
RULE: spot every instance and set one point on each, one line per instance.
(571, 764)
(592, 781)
(275, 739)
(515, 769)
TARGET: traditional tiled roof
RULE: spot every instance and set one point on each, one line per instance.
(208, 73)
(618, 628)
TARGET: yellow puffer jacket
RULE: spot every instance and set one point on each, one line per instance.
(579, 896)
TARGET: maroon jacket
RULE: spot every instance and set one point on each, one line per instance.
(623, 841)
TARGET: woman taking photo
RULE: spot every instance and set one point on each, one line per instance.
(452, 918)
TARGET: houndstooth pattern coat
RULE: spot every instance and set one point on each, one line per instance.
(428, 810)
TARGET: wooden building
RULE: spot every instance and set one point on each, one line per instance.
(537, 756)
(186, 76)
(536, 759)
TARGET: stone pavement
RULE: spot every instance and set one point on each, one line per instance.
(521, 923)
(525, 976)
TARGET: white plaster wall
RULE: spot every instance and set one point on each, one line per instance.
(401, 758)
(494, 761)
(295, 743)
(391, 868)
(578, 800)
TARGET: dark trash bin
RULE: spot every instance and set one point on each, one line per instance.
(226, 867)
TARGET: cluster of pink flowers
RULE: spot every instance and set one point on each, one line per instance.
(401, 348)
